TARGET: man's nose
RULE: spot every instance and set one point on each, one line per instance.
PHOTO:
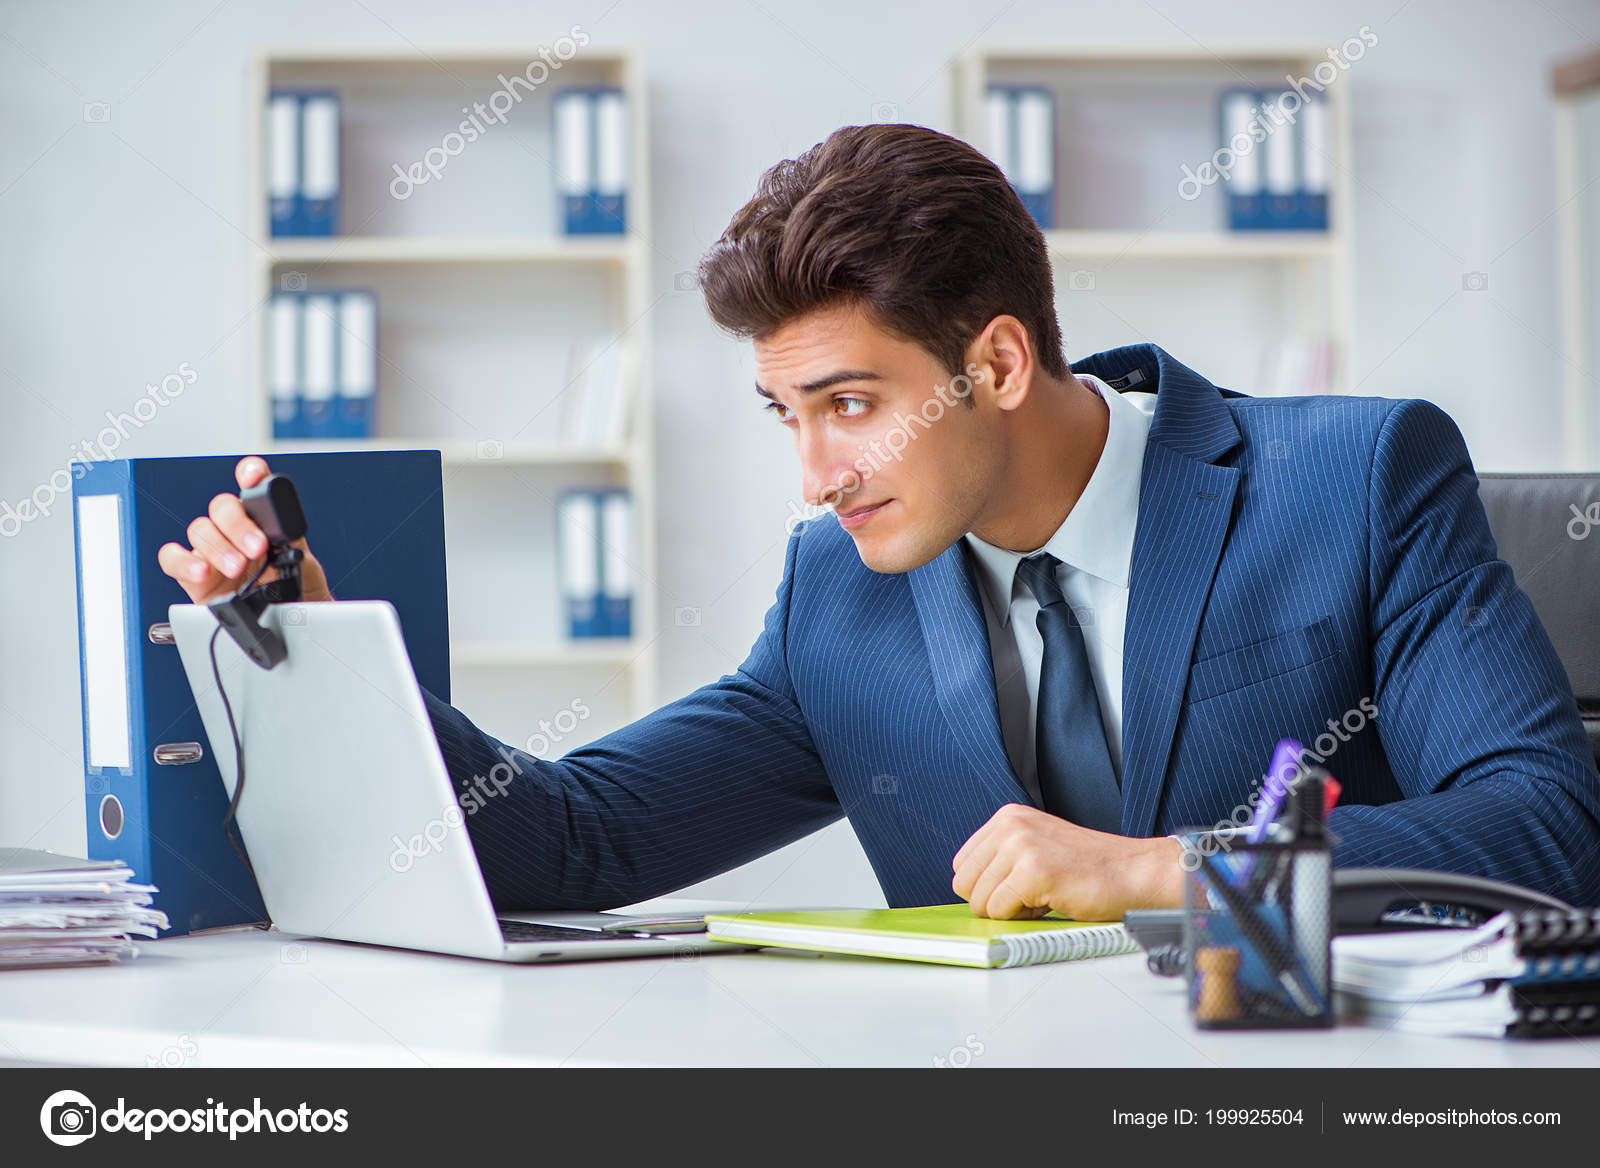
(826, 472)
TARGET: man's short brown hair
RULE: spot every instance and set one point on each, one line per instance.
(914, 226)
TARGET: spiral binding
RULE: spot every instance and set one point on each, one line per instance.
(1554, 1011)
(1066, 945)
(1543, 929)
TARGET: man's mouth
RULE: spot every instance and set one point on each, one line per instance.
(856, 516)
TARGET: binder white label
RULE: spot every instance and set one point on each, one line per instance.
(579, 520)
(358, 344)
(1036, 142)
(616, 554)
(320, 326)
(997, 131)
(1280, 164)
(283, 347)
(105, 639)
(1245, 176)
(283, 146)
(1314, 146)
(611, 139)
(574, 148)
(319, 123)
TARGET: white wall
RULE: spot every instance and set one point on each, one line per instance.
(125, 252)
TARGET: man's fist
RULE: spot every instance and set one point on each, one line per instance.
(228, 547)
(1025, 863)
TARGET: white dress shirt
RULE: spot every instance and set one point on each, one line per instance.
(1095, 546)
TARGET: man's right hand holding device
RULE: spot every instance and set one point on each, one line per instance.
(228, 547)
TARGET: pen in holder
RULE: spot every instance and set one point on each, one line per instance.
(1258, 920)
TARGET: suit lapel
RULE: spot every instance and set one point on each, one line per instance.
(1185, 506)
(1185, 511)
(957, 636)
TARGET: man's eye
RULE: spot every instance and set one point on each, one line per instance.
(778, 410)
(839, 402)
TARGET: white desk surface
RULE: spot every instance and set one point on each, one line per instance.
(256, 998)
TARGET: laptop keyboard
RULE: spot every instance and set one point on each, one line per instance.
(528, 931)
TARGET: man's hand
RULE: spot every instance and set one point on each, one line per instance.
(1025, 862)
(228, 548)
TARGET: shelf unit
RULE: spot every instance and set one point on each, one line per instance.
(478, 292)
(458, 452)
(1575, 90)
(448, 250)
(1127, 119)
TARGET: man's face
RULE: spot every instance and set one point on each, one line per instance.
(883, 433)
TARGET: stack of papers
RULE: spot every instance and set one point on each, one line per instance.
(59, 910)
(1434, 981)
(1535, 975)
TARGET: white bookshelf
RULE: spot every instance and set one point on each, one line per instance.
(1132, 260)
(479, 296)
(1191, 245)
(457, 452)
(1575, 91)
(501, 654)
(457, 250)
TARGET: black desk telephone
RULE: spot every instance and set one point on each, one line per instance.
(1368, 900)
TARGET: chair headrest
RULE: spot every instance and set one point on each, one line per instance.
(1547, 527)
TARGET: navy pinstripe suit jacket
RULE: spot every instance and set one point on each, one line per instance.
(1298, 563)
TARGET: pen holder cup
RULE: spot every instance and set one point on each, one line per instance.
(1257, 924)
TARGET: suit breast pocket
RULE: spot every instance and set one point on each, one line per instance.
(1246, 665)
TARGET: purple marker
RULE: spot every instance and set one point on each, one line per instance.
(1280, 774)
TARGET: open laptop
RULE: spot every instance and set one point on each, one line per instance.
(348, 813)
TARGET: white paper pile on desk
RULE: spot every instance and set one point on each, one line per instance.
(1532, 975)
(59, 910)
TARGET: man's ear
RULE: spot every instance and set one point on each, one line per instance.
(1003, 360)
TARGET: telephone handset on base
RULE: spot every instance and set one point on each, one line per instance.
(1368, 899)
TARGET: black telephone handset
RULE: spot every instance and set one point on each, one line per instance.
(1368, 899)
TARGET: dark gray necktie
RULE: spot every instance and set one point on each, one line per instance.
(1076, 779)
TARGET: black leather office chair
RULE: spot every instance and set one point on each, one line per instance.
(1547, 527)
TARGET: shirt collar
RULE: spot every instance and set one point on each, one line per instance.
(1097, 535)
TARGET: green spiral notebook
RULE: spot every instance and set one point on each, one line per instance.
(947, 934)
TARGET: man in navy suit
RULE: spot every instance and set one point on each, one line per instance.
(1057, 613)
